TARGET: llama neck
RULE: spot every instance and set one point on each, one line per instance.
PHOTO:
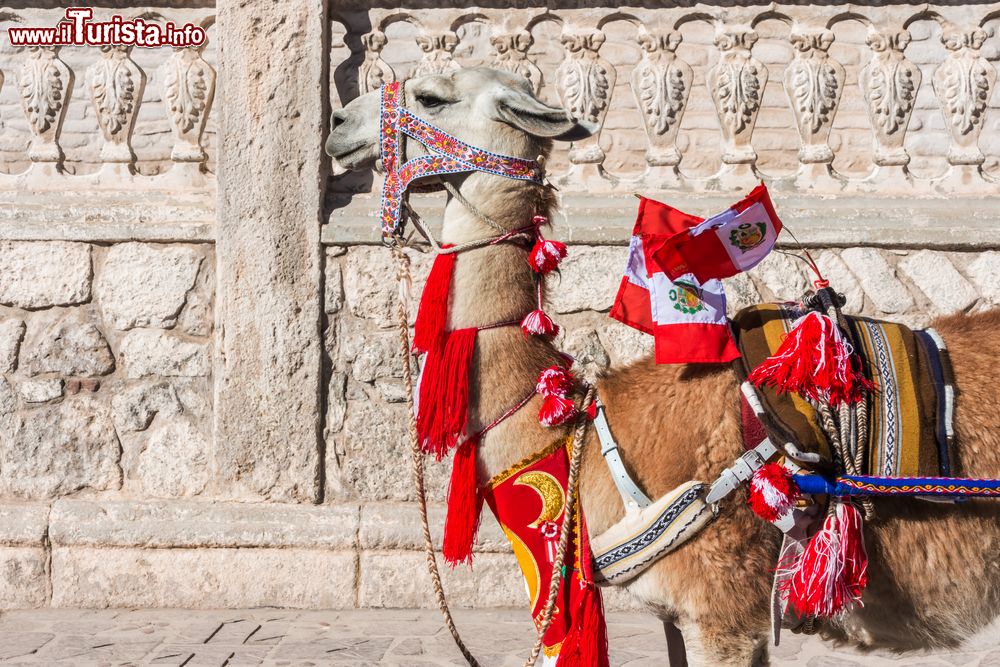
(491, 285)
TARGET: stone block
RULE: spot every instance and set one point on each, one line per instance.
(134, 407)
(369, 284)
(40, 390)
(783, 275)
(740, 293)
(201, 524)
(8, 400)
(173, 461)
(58, 449)
(41, 274)
(373, 354)
(11, 334)
(24, 581)
(587, 350)
(147, 352)
(203, 578)
(935, 275)
(23, 524)
(68, 347)
(625, 344)
(393, 526)
(333, 287)
(145, 285)
(400, 579)
(842, 280)
(985, 273)
(878, 279)
(588, 279)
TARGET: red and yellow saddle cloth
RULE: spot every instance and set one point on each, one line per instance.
(529, 502)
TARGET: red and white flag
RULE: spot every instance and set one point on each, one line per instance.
(686, 317)
(733, 241)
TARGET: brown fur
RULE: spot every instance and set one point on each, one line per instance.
(935, 569)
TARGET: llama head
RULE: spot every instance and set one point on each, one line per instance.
(487, 108)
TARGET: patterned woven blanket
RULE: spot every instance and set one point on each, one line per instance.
(910, 410)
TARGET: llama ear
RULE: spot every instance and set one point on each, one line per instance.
(528, 113)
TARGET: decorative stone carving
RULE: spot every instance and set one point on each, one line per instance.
(736, 84)
(813, 83)
(116, 85)
(512, 56)
(45, 84)
(661, 83)
(188, 92)
(438, 51)
(374, 72)
(889, 82)
(963, 83)
(585, 83)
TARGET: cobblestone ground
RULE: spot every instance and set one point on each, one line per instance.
(357, 638)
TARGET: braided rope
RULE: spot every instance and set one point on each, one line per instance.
(568, 515)
(417, 456)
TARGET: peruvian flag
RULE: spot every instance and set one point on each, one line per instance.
(733, 241)
(686, 317)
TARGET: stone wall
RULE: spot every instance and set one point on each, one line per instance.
(200, 396)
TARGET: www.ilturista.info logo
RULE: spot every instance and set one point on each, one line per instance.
(79, 30)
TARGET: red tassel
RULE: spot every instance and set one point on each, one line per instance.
(537, 323)
(556, 410)
(443, 407)
(464, 505)
(832, 573)
(586, 642)
(773, 491)
(546, 254)
(555, 381)
(815, 362)
(432, 315)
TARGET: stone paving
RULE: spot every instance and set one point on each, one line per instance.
(397, 638)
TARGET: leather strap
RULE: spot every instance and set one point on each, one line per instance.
(631, 494)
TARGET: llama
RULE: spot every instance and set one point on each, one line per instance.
(935, 568)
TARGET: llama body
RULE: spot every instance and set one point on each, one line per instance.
(935, 568)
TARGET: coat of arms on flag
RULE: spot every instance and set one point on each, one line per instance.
(672, 286)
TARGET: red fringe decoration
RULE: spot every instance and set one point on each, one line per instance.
(432, 315)
(832, 573)
(545, 255)
(465, 504)
(556, 410)
(537, 323)
(443, 408)
(586, 642)
(773, 491)
(815, 362)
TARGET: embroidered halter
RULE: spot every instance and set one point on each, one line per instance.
(449, 155)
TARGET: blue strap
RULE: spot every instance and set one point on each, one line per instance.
(865, 485)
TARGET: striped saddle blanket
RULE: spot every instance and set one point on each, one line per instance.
(910, 410)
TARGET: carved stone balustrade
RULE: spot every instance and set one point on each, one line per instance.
(814, 99)
(107, 118)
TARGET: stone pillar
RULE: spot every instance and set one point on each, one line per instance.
(268, 365)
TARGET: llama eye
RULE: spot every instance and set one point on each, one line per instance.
(430, 101)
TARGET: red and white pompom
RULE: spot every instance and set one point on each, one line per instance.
(555, 381)
(772, 491)
(537, 323)
(546, 254)
(556, 410)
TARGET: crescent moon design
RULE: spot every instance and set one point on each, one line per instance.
(549, 490)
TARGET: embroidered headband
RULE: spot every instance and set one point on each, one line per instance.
(449, 155)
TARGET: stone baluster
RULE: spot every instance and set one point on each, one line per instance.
(964, 83)
(813, 82)
(736, 84)
(374, 72)
(585, 82)
(116, 85)
(511, 55)
(44, 85)
(889, 82)
(661, 83)
(188, 92)
(439, 49)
